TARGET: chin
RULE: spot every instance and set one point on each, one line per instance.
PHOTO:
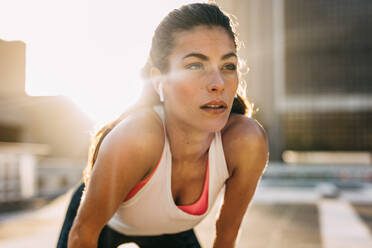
(215, 125)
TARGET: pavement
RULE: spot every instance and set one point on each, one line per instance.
(278, 217)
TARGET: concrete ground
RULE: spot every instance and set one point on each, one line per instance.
(277, 218)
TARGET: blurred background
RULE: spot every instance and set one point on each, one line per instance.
(68, 67)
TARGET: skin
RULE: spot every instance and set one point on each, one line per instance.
(209, 73)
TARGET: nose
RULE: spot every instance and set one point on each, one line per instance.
(216, 83)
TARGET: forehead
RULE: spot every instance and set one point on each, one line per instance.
(203, 39)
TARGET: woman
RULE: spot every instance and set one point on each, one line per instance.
(159, 168)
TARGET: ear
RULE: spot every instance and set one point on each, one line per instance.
(156, 78)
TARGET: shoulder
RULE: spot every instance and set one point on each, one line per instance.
(127, 153)
(140, 128)
(242, 126)
(245, 143)
(139, 133)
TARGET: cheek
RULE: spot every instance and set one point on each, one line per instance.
(184, 91)
(235, 80)
(231, 82)
(236, 85)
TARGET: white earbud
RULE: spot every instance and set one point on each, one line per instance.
(160, 89)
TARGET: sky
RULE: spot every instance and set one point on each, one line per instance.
(90, 51)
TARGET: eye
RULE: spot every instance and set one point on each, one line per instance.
(194, 66)
(230, 67)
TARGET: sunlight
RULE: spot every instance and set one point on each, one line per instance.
(130, 245)
(91, 51)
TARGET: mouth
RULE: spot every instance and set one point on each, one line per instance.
(214, 106)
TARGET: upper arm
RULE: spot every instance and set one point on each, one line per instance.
(126, 154)
(246, 152)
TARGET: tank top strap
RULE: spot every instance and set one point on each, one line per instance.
(220, 156)
(159, 109)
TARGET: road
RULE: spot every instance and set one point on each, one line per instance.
(278, 217)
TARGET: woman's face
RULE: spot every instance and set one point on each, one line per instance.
(202, 80)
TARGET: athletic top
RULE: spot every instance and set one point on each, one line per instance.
(197, 208)
(152, 210)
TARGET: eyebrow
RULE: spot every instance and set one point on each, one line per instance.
(229, 55)
(203, 57)
(197, 55)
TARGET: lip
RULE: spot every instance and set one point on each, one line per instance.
(215, 102)
(214, 111)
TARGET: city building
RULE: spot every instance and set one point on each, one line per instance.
(310, 75)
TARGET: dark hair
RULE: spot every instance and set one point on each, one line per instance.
(183, 19)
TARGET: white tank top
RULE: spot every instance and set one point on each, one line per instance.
(152, 210)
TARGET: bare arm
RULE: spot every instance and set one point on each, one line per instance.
(119, 166)
(246, 153)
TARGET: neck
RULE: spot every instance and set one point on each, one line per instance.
(187, 144)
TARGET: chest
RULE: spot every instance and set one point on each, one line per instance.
(187, 182)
